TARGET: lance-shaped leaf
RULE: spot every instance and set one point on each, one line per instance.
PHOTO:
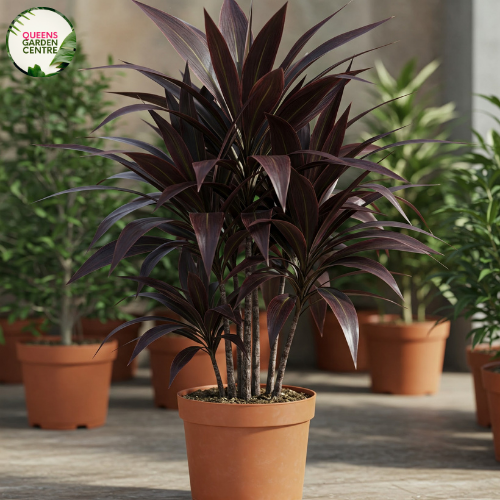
(326, 47)
(154, 334)
(224, 67)
(264, 96)
(207, 228)
(140, 144)
(104, 256)
(335, 139)
(318, 308)
(278, 312)
(197, 293)
(304, 206)
(244, 264)
(346, 315)
(301, 42)
(278, 168)
(416, 141)
(236, 340)
(294, 238)
(260, 231)
(270, 289)
(118, 214)
(233, 24)
(202, 169)
(297, 109)
(176, 146)
(131, 233)
(233, 244)
(262, 53)
(372, 267)
(251, 283)
(284, 139)
(386, 193)
(172, 191)
(181, 360)
(189, 42)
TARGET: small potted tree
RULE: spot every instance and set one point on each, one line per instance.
(41, 243)
(406, 352)
(247, 194)
(472, 282)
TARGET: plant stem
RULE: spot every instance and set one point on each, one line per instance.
(220, 385)
(255, 344)
(239, 331)
(408, 312)
(231, 386)
(246, 372)
(286, 352)
(274, 351)
(67, 320)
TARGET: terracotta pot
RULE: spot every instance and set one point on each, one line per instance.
(265, 348)
(93, 329)
(246, 452)
(491, 383)
(66, 386)
(477, 358)
(332, 351)
(405, 359)
(199, 371)
(10, 367)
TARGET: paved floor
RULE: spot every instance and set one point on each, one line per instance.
(362, 446)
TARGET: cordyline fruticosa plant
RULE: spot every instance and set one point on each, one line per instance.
(246, 186)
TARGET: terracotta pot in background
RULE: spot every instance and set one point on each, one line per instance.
(265, 348)
(226, 444)
(477, 358)
(405, 359)
(199, 371)
(66, 386)
(491, 383)
(332, 351)
(10, 367)
(93, 328)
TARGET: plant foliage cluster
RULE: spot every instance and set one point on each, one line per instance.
(246, 192)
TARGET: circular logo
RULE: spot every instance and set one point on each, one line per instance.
(41, 42)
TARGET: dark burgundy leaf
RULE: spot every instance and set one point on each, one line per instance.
(98, 188)
(202, 169)
(132, 108)
(226, 311)
(131, 233)
(235, 339)
(181, 360)
(304, 206)
(264, 96)
(224, 67)
(172, 191)
(207, 228)
(294, 238)
(346, 315)
(335, 139)
(140, 144)
(197, 293)
(233, 24)
(386, 193)
(260, 231)
(278, 312)
(278, 168)
(244, 264)
(262, 53)
(415, 141)
(326, 120)
(301, 42)
(284, 139)
(189, 42)
(318, 307)
(104, 256)
(251, 283)
(233, 244)
(186, 266)
(270, 289)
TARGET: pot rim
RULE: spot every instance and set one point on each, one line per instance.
(487, 367)
(482, 348)
(253, 415)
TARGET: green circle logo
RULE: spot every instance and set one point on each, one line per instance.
(41, 42)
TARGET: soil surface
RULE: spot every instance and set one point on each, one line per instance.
(212, 396)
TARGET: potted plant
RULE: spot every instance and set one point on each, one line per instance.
(40, 243)
(472, 282)
(245, 187)
(406, 352)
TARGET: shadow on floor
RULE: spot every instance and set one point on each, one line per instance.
(34, 488)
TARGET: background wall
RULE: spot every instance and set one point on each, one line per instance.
(424, 29)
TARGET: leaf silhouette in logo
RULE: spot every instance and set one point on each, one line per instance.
(67, 51)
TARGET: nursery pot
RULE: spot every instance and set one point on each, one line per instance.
(66, 387)
(405, 358)
(265, 349)
(199, 371)
(476, 359)
(93, 329)
(246, 452)
(10, 367)
(332, 351)
(491, 383)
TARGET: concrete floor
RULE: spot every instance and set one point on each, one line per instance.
(362, 446)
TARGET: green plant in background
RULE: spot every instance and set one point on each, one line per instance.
(41, 243)
(410, 116)
(472, 284)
